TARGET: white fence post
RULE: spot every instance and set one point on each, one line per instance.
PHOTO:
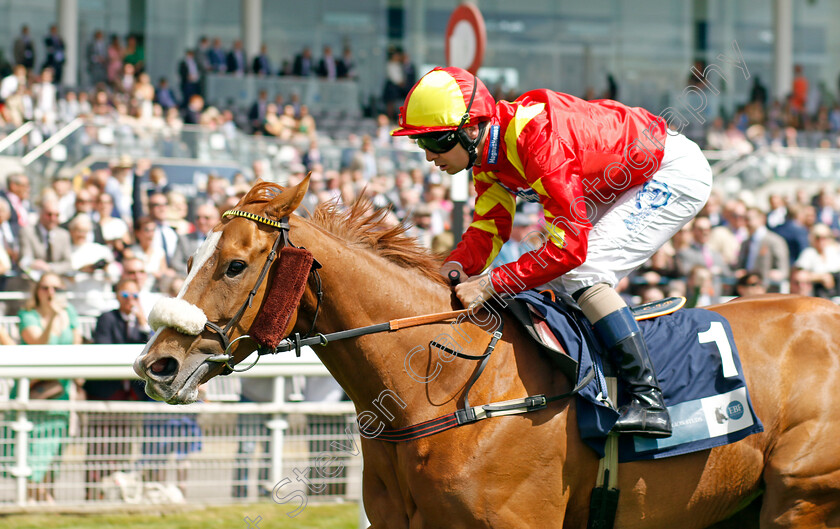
(277, 425)
(22, 426)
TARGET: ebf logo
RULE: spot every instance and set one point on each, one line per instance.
(735, 410)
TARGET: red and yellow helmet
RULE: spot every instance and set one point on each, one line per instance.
(444, 99)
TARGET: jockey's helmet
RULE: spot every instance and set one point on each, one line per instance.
(440, 105)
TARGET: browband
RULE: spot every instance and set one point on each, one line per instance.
(252, 216)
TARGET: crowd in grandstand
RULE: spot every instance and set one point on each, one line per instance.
(99, 229)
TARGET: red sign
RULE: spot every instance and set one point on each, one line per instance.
(466, 38)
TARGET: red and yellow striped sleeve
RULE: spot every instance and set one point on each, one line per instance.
(490, 228)
(551, 169)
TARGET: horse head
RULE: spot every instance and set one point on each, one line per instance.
(222, 295)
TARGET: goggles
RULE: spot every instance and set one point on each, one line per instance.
(437, 142)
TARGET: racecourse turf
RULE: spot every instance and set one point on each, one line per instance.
(344, 516)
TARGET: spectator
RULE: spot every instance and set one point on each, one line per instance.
(778, 211)
(125, 84)
(799, 94)
(9, 247)
(192, 115)
(69, 107)
(262, 63)
(135, 54)
(750, 285)
(124, 325)
(165, 237)
(800, 282)
(115, 60)
(394, 91)
(346, 67)
(97, 58)
(237, 63)
(144, 95)
(190, 77)
(45, 101)
(164, 96)
(11, 84)
(47, 319)
(152, 255)
(328, 66)
(45, 247)
(218, 57)
(409, 72)
(257, 113)
(822, 261)
(84, 203)
(24, 49)
(206, 217)
(202, 58)
(303, 65)
(176, 216)
(94, 268)
(17, 196)
(114, 230)
(794, 231)
(763, 252)
(55, 53)
(758, 92)
(700, 253)
(128, 323)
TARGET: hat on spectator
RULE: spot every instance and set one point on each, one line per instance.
(124, 162)
(64, 173)
(821, 230)
(422, 210)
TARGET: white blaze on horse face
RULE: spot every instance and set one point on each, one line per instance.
(204, 252)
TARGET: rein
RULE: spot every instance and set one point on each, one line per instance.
(466, 415)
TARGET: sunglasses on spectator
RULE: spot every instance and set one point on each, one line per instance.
(126, 295)
(437, 142)
(156, 204)
(53, 287)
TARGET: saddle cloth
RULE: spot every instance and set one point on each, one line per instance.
(698, 368)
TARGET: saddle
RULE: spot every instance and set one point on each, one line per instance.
(540, 331)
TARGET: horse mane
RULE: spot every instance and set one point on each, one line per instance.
(362, 226)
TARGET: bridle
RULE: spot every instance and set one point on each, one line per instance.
(281, 241)
(466, 415)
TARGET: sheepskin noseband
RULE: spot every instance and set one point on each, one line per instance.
(282, 296)
(181, 315)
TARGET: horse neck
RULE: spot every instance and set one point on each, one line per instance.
(360, 289)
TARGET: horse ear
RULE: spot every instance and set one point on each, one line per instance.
(288, 201)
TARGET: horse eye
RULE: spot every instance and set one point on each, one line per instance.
(235, 268)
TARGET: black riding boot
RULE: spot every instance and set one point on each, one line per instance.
(646, 414)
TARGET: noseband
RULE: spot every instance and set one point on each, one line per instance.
(280, 242)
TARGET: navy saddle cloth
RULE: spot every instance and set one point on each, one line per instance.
(697, 365)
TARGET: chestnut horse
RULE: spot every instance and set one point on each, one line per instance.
(521, 471)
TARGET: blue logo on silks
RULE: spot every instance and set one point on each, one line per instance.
(651, 197)
(493, 150)
(735, 410)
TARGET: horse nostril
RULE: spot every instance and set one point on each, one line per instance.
(164, 367)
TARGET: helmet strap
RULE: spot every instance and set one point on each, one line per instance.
(470, 144)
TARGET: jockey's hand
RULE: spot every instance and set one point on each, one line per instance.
(449, 266)
(475, 291)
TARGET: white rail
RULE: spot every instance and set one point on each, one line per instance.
(285, 438)
(54, 140)
(16, 135)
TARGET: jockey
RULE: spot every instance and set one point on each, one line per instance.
(614, 183)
